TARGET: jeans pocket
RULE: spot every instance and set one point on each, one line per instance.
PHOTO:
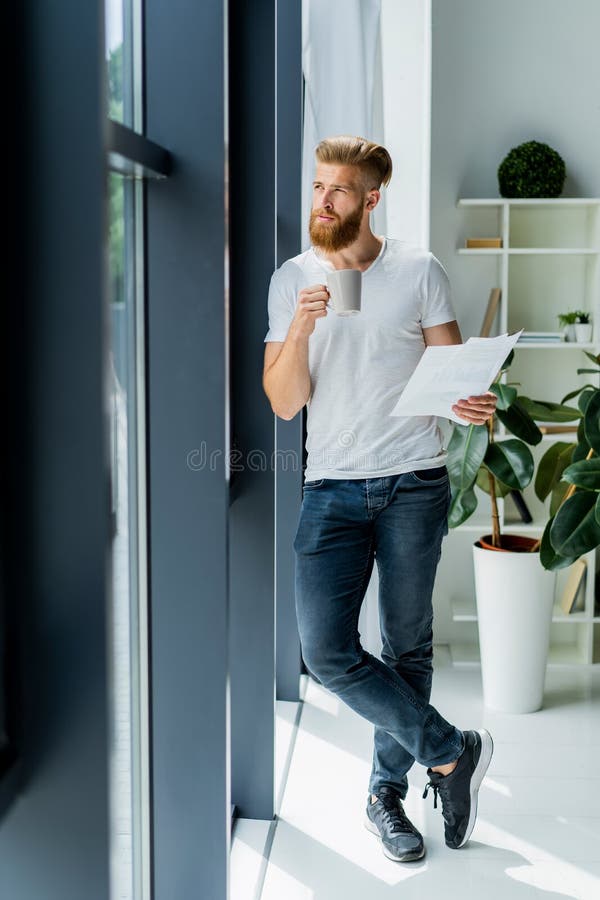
(308, 485)
(430, 476)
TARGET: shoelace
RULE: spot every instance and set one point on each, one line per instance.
(436, 789)
(395, 815)
(439, 788)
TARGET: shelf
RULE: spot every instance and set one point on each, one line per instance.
(549, 262)
(481, 528)
(465, 610)
(575, 618)
(569, 436)
(465, 654)
(559, 655)
(554, 345)
(552, 251)
(541, 201)
(482, 251)
(528, 251)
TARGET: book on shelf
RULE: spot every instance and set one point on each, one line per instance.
(490, 312)
(482, 243)
(542, 337)
(573, 586)
(553, 428)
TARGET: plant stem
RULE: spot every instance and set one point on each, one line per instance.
(495, 517)
(568, 494)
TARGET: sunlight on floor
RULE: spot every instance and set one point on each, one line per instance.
(290, 888)
(538, 831)
(496, 786)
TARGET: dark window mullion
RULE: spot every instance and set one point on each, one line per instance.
(130, 153)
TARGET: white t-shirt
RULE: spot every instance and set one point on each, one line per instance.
(359, 365)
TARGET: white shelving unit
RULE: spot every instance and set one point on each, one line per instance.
(549, 263)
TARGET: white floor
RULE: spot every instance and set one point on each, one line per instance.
(538, 829)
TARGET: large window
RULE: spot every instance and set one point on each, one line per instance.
(128, 632)
(122, 54)
(128, 758)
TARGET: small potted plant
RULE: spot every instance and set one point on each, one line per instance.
(532, 169)
(568, 321)
(583, 327)
(514, 591)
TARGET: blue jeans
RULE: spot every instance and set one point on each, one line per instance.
(399, 521)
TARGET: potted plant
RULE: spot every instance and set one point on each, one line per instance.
(532, 169)
(583, 327)
(568, 321)
(514, 591)
(570, 474)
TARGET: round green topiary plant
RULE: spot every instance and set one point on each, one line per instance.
(531, 170)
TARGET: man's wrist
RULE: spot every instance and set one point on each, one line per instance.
(297, 336)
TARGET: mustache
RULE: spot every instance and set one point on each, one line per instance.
(324, 212)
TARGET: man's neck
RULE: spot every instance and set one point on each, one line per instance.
(358, 255)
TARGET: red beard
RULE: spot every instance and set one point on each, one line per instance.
(337, 234)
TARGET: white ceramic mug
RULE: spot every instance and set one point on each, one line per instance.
(344, 290)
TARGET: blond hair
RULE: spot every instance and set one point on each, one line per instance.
(372, 159)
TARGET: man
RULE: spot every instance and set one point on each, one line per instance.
(376, 487)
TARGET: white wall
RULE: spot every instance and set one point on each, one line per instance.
(505, 73)
(405, 51)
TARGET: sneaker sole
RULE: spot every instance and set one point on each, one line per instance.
(487, 749)
(411, 856)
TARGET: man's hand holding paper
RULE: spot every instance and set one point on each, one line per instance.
(452, 381)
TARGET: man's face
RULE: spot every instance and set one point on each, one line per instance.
(338, 206)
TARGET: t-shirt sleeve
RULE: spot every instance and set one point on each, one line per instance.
(437, 302)
(281, 306)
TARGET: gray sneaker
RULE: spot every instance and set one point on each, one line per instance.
(386, 818)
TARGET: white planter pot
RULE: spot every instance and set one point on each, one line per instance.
(515, 596)
(569, 331)
(583, 333)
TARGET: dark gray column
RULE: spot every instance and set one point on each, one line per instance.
(288, 435)
(252, 621)
(55, 466)
(188, 496)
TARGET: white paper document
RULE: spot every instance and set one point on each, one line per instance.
(450, 373)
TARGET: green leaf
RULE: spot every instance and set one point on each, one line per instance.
(551, 466)
(511, 462)
(585, 474)
(549, 412)
(508, 361)
(598, 509)
(549, 558)
(505, 394)
(575, 530)
(583, 448)
(520, 423)
(575, 392)
(587, 371)
(594, 359)
(591, 421)
(584, 399)
(466, 450)
(463, 505)
(557, 496)
(483, 481)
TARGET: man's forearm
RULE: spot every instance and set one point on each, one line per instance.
(287, 380)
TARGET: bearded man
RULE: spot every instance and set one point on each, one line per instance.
(375, 486)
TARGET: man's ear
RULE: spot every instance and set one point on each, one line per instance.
(372, 199)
